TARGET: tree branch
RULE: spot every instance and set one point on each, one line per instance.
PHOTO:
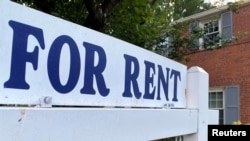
(98, 13)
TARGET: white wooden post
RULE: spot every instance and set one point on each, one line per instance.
(197, 98)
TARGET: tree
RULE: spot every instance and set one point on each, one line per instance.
(184, 8)
(139, 22)
(90, 13)
(135, 21)
(145, 23)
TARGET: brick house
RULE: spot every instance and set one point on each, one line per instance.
(228, 67)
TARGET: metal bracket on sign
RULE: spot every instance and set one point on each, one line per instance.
(45, 102)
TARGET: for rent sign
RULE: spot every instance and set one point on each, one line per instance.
(41, 55)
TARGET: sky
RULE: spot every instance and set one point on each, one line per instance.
(224, 1)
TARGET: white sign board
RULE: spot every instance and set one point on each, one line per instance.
(41, 55)
(95, 124)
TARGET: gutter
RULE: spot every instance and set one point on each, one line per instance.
(210, 12)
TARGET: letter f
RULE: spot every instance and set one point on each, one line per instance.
(20, 55)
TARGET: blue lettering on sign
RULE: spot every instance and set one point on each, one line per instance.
(94, 67)
(131, 77)
(132, 72)
(149, 80)
(53, 64)
(20, 56)
(164, 81)
(91, 70)
(176, 74)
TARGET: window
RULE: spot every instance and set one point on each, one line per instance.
(216, 31)
(212, 32)
(216, 102)
(226, 101)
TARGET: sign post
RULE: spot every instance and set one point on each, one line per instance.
(197, 98)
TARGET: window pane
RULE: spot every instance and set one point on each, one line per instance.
(210, 29)
(216, 28)
(213, 95)
(219, 95)
(215, 24)
(213, 104)
(219, 104)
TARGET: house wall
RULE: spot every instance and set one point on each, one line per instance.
(230, 65)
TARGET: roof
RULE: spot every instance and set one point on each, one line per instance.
(210, 12)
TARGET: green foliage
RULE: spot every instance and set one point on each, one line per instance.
(74, 10)
(184, 8)
(234, 6)
(145, 23)
(184, 38)
(138, 22)
(71, 10)
(182, 44)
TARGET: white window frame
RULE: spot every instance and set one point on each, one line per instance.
(202, 24)
(219, 89)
